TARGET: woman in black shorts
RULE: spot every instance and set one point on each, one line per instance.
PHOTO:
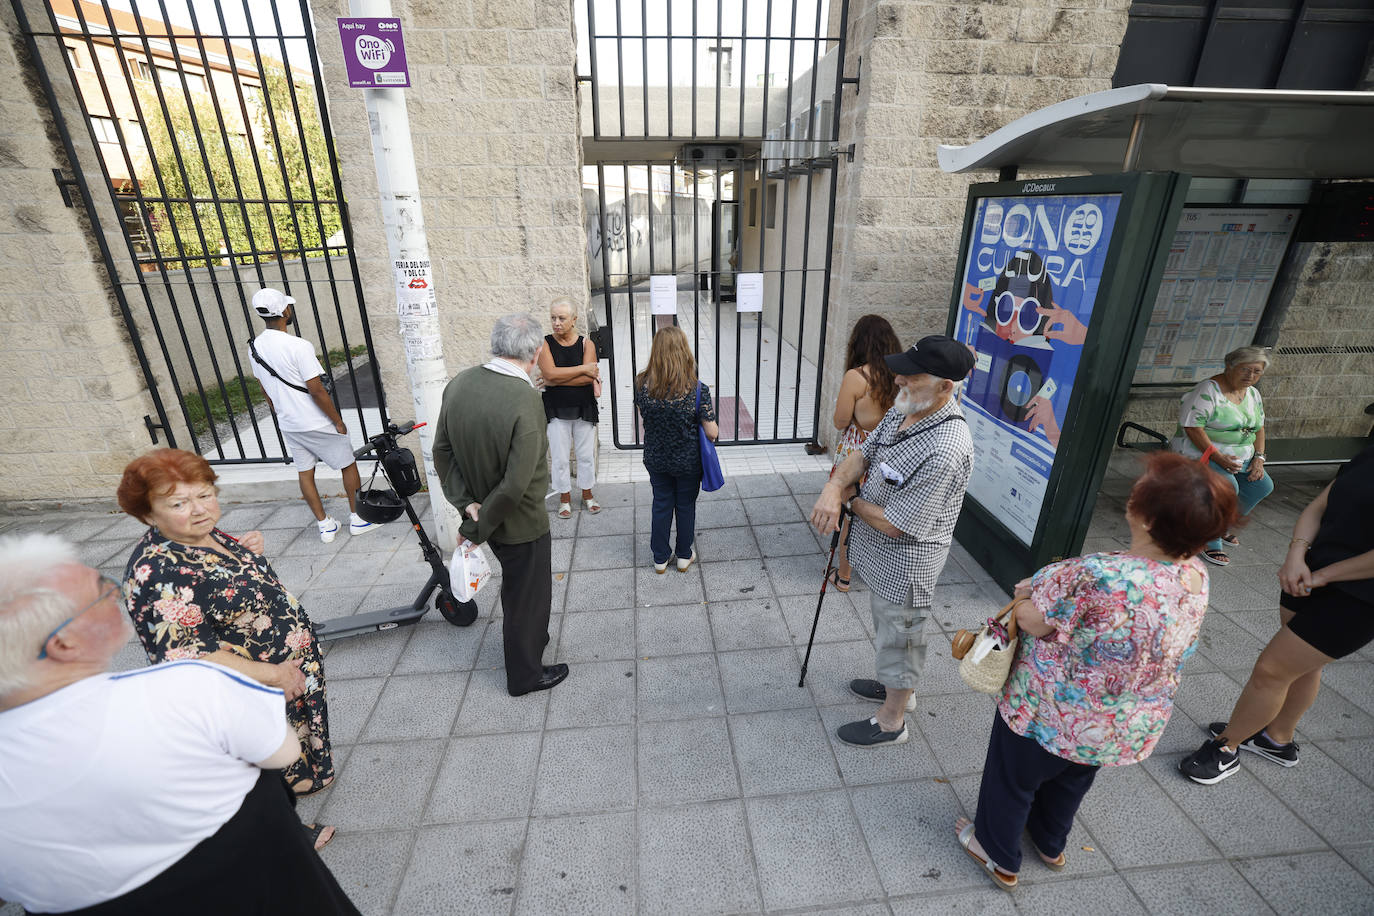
(1326, 612)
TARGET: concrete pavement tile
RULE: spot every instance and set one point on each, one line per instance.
(747, 624)
(285, 516)
(350, 704)
(1105, 894)
(863, 766)
(957, 728)
(833, 665)
(307, 541)
(672, 630)
(619, 520)
(612, 551)
(721, 544)
(735, 580)
(1322, 793)
(1187, 890)
(806, 482)
(367, 655)
(462, 868)
(1240, 816)
(585, 770)
(838, 622)
(908, 826)
(578, 865)
(730, 492)
(130, 529)
(416, 706)
(753, 486)
(1149, 829)
(385, 785)
(131, 656)
(679, 687)
(772, 510)
(696, 858)
(810, 851)
(297, 573)
(759, 679)
(1260, 624)
(612, 495)
(1332, 716)
(786, 540)
(242, 517)
(1241, 590)
(485, 777)
(1226, 643)
(595, 693)
(963, 606)
(599, 590)
(986, 902)
(597, 636)
(488, 708)
(1351, 679)
(796, 575)
(1355, 754)
(352, 569)
(941, 673)
(562, 528)
(685, 761)
(719, 513)
(560, 554)
(1182, 735)
(369, 865)
(437, 646)
(406, 569)
(330, 603)
(669, 588)
(1309, 883)
(782, 751)
(102, 553)
(1206, 697)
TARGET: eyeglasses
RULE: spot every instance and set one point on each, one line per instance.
(108, 587)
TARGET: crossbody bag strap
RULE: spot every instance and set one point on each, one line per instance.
(259, 360)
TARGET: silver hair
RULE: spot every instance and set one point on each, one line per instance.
(516, 336)
(30, 605)
(1242, 355)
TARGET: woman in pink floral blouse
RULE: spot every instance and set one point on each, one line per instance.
(1104, 638)
(195, 592)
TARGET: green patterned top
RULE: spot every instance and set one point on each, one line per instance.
(1232, 427)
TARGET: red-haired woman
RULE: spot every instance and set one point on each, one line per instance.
(1104, 638)
(867, 393)
(195, 592)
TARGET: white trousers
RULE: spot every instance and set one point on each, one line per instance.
(562, 435)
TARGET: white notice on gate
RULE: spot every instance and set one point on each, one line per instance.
(414, 288)
(663, 294)
(749, 292)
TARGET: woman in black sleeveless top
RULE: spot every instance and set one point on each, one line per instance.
(572, 383)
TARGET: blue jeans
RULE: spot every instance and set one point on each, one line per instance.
(1248, 492)
(673, 494)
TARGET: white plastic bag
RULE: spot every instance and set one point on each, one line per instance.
(468, 571)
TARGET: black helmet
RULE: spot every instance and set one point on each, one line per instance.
(399, 468)
(379, 506)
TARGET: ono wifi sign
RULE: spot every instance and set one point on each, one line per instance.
(374, 53)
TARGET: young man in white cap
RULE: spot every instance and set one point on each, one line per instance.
(291, 378)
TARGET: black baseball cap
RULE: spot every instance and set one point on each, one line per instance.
(933, 355)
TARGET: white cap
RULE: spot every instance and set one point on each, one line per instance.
(271, 303)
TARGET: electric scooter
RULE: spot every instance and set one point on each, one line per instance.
(379, 506)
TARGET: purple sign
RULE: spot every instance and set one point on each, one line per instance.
(374, 53)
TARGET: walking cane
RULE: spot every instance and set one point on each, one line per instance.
(834, 542)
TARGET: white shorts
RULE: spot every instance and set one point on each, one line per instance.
(319, 445)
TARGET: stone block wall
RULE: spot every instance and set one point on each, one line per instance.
(72, 400)
(932, 73)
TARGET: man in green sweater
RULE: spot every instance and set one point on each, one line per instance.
(491, 451)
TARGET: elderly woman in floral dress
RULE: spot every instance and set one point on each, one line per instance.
(1104, 638)
(195, 592)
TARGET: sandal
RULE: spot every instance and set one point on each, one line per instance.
(591, 505)
(1216, 557)
(1055, 864)
(311, 789)
(840, 584)
(1004, 879)
(1230, 540)
(565, 510)
(314, 831)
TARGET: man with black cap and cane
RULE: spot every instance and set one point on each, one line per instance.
(918, 460)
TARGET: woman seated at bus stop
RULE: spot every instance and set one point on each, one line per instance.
(1221, 423)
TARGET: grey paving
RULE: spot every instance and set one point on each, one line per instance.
(681, 769)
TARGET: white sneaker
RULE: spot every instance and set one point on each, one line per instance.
(661, 568)
(328, 528)
(682, 564)
(357, 526)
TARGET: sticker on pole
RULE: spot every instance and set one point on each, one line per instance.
(374, 53)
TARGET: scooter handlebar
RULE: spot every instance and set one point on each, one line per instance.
(374, 444)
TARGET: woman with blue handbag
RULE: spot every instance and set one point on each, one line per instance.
(679, 432)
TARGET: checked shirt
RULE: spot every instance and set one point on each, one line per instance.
(931, 462)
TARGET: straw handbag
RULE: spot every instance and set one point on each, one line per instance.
(989, 672)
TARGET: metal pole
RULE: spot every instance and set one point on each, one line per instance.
(407, 243)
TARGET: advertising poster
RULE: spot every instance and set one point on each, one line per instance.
(1029, 291)
(374, 53)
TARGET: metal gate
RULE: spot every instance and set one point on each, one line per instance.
(205, 124)
(711, 137)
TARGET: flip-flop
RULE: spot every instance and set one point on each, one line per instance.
(1216, 557)
(314, 830)
(591, 505)
(1005, 880)
(565, 510)
(841, 585)
(1230, 539)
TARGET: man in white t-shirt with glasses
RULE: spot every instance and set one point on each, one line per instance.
(292, 380)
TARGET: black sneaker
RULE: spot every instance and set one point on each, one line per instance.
(1285, 755)
(870, 689)
(868, 733)
(1210, 764)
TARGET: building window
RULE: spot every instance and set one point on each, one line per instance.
(771, 207)
(141, 70)
(753, 207)
(104, 128)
